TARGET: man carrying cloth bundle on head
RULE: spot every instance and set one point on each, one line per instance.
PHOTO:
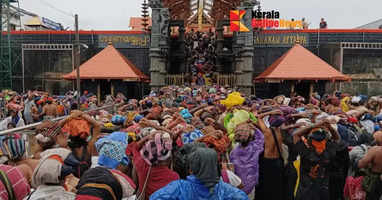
(317, 146)
(245, 157)
(49, 111)
(271, 183)
(151, 157)
(373, 161)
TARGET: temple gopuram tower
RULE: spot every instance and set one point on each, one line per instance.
(172, 62)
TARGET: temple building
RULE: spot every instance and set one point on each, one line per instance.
(193, 42)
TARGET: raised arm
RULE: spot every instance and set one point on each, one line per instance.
(304, 131)
(96, 127)
(368, 158)
(260, 121)
(335, 135)
(192, 111)
(287, 127)
(43, 111)
(200, 111)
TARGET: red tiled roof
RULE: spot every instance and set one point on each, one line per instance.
(299, 63)
(109, 64)
(136, 23)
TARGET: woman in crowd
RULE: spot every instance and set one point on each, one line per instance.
(100, 183)
(54, 177)
(151, 157)
(203, 183)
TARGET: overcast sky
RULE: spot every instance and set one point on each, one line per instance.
(115, 14)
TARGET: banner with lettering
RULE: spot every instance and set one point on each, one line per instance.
(280, 39)
(125, 41)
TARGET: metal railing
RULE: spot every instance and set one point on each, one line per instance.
(222, 79)
(175, 79)
(31, 126)
(27, 131)
(227, 79)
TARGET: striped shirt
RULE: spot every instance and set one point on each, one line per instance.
(20, 185)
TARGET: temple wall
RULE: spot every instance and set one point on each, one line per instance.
(269, 46)
(362, 61)
(43, 69)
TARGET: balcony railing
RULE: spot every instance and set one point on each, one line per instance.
(226, 80)
(221, 79)
(175, 79)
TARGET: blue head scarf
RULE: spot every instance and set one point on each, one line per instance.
(112, 150)
(138, 118)
(191, 136)
(186, 115)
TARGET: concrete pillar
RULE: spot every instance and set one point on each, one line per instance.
(245, 52)
(112, 88)
(99, 92)
(219, 44)
(158, 45)
(157, 69)
(182, 41)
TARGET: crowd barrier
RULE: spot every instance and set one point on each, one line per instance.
(27, 131)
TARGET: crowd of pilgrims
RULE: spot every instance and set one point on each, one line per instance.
(193, 143)
(200, 48)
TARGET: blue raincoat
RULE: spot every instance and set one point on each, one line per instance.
(193, 189)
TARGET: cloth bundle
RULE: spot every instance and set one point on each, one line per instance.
(46, 132)
(233, 99)
(276, 120)
(186, 115)
(49, 170)
(231, 120)
(111, 150)
(219, 144)
(118, 119)
(191, 136)
(77, 127)
(12, 146)
(158, 149)
(99, 183)
(54, 166)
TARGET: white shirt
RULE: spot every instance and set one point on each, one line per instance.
(6, 121)
(44, 192)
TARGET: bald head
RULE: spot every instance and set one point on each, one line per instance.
(378, 137)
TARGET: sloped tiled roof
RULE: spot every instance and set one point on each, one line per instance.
(372, 25)
(109, 64)
(299, 63)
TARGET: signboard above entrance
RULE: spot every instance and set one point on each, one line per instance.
(280, 40)
(51, 24)
(125, 41)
